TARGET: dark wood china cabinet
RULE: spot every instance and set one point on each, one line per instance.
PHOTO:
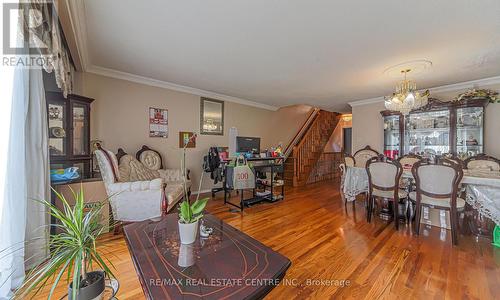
(440, 127)
(69, 132)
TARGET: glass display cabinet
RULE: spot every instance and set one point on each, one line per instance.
(428, 133)
(438, 128)
(469, 138)
(69, 132)
(392, 135)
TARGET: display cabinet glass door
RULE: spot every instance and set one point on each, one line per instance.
(469, 131)
(57, 128)
(391, 136)
(80, 129)
(428, 133)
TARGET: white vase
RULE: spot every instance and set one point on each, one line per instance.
(187, 232)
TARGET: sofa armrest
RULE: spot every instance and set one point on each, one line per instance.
(136, 186)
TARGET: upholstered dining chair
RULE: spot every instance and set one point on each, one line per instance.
(349, 161)
(482, 162)
(437, 185)
(383, 182)
(363, 155)
(408, 160)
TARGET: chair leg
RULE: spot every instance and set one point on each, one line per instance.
(454, 229)
(407, 210)
(418, 211)
(395, 208)
(369, 209)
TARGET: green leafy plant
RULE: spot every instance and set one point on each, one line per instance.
(481, 93)
(73, 249)
(192, 213)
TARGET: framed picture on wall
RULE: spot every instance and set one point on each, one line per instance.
(211, 116)
(158, 122)
(187, 139)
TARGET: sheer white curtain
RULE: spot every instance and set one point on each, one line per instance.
(23, 221)
(24, 171)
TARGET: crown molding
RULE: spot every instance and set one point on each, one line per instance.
(466, 85)
(76, 14)
(439, 89)
(173, 86)
(366, 101)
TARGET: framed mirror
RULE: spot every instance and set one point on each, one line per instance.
(211, 116)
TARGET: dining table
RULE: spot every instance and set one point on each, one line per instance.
(482, 188)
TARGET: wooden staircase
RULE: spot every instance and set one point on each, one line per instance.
(305, 154)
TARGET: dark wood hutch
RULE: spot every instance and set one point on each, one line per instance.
(69, 132)
(440, 127)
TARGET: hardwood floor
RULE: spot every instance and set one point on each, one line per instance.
(328, 242)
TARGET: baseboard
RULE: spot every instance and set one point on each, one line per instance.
(202, 192)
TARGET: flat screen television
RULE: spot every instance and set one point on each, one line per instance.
(246, 144)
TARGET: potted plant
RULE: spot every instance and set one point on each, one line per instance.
(73, 251)
(189, 214)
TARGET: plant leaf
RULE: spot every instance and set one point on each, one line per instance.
(199, 205)
(185, 212)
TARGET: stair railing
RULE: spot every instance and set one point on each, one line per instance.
(304, 152)
(298, 136)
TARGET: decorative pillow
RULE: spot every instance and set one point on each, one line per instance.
(133, 170)
(150, 159)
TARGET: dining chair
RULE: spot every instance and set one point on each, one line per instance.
(363, 155)
(348, 162)
(383, 182)
(437, 186)
(482, 162)
(409, 160)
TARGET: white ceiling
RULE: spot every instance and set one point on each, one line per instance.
(283, 52)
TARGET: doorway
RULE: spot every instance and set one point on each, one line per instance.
(347, 133)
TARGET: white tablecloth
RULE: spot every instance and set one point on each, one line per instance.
(483, 193)
(483, 190)
(355, 182)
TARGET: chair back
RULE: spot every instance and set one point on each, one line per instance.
(409, 160)
(482, 162)
(383, 174)
(363, 155)
(108, 165)
(349, 161)
(437, 179)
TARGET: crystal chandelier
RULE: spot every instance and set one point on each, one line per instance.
(406, 97)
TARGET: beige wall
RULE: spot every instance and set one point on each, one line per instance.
(367, 124)
(286, 122)
(119, 117)
(492, 130)
(367, 127)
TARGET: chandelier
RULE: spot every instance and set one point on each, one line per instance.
(406, 97)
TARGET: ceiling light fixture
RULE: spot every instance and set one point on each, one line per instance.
(406, 97)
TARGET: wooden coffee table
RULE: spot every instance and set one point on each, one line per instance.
(227, 265)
